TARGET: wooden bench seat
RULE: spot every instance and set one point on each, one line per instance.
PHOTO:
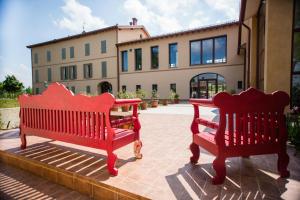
(58, 114)
(250, 123)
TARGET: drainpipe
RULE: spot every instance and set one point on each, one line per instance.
(118, 69)
(248, 57)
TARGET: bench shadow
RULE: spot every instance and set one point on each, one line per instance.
(246, 178)
(9, 134)
(90, 163)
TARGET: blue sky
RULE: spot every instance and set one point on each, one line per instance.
(24, 22)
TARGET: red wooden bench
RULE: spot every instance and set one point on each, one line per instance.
(60, 115)
(250, 123)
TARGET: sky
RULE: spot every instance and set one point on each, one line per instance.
(25, 22)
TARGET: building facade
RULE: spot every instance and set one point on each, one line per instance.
(193, 63)
(85, 63)
(270, 33)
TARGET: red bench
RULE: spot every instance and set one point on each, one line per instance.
(60, 115)
(250, 123)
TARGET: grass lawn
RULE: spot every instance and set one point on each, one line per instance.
(9, 103)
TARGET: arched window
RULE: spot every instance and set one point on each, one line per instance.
(206, 85)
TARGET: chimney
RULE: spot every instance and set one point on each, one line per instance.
(134, 21)
(130, 23)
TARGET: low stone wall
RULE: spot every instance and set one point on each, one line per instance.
(9, 117)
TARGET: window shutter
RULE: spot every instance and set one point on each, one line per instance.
(84, 71)
(91, 71)
(61, 73)
(104, 69)
(75, 72)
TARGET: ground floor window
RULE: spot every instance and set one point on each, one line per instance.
(206, 85)
(173, 87)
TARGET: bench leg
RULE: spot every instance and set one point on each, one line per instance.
(219, 167)
(196, 153)
(23, 140)
(137, 149)
(282, 163)
(111, 161)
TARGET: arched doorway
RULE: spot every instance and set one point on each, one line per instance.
(206, 85)
(104, 87)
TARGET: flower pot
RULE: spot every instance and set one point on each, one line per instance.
(165, 102)
(144, 105)
(115, 109)
(154, 103)
(176, 101)
(125, 108)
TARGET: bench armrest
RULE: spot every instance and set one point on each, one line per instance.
(202, 102)
(122, 102)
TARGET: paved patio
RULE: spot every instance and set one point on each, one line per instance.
(165, 171)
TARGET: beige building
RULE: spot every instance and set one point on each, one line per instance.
(85, 63)
(261, 50)
(194, 63)
(270, 35)
(198, 62)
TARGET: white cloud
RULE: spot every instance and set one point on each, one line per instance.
(76, 15)
(174, 15)
(229, 7)
(21, 72)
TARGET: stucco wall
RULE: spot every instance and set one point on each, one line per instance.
(279, 17)
(232, 70)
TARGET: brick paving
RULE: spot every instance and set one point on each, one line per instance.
(164, 172)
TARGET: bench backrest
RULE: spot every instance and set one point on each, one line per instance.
(252, 117)
(58, 110)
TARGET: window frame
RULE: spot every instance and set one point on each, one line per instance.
(122, 61)
(177, 63)
(138, 87)
(87, 49)
(63, 53)
(101, 46)
(89, 73)
(151, 54)
(135, 59)
(124, 88)
(213, 50)
(48, 55)
(155, 84)
(171, 89)
(72, 52)
(49, 74)
(102, 67)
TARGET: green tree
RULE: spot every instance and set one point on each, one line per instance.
(28, 90)
(12, 84)
(1, 88)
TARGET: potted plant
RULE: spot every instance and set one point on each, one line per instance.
(124, 95)
(293, 127)
(176, 98)
(154, 99)
(142, 95)
(172, 96)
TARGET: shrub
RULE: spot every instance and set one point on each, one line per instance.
(293, 127)
(154, 94)
(141, 94)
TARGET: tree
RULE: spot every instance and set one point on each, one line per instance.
(28, 90)
(12, 84)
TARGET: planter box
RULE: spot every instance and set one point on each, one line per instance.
(9, 117)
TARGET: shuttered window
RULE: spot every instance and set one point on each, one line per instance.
(88, 70)
(87, 49)
(103, 46)
(63, 53)
(104, 69)
(49, 74)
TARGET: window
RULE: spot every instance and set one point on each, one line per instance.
(220, 50)
(37, 90)
(48, 56)
(124, 61)
(88, 70)
(138, 87)
(195, 55)
(138, 59)
(124, 88)
(73, 72)
(88, 89)
(295, 86)
(103, 46)
(72, 52)
(36, 73)
(63, 53)
(73, 89)
(64, 73)
(35, 58)
(154, 87)
(207, 51)
(49, 75)
(173, 87)
(173, 55)
(87, 49)
(104, 69)
(240, 85)
(154, 57)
